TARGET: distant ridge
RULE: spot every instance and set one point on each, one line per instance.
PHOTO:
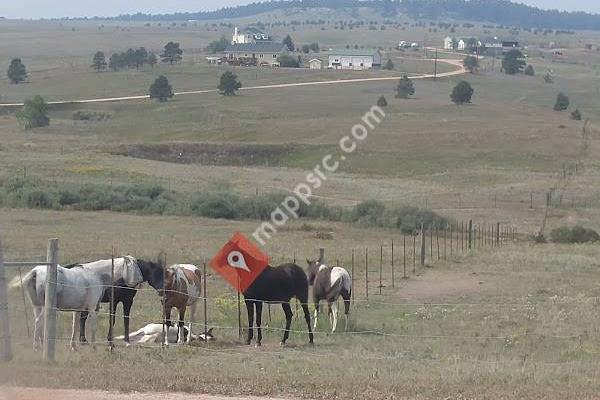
(502, 12)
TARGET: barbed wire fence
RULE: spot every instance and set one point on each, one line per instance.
(373, 269)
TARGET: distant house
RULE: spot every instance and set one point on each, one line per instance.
(315, 63)
(462, 45)
(249, 35)
(494, 46)
(262, 53)
(449, 43)
(356, 59)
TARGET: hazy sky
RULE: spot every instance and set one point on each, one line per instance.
(71, 8)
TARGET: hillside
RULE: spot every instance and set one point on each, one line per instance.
(490, 11)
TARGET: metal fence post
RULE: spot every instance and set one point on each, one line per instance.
(50, 301)
(5, 342)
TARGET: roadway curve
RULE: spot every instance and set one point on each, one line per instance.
(457, 63)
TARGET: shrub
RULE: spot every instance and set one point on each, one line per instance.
(462, 93)
(577, 234)
(562, 102)
(382, 101)
(405, 88)
(288, 61)
(576, 115)
(529, 71)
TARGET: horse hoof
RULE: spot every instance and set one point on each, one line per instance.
(283, 344)
(127, 344)
(258, 344)
(247, 342)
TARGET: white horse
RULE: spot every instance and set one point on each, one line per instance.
(78, 289)
(329, 283)
(153, 333)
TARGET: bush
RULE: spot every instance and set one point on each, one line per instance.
(462, 93)
(382, 101)
(288, 61)
(576, 115)
(529, 71)
(578, 234)
(562, 102)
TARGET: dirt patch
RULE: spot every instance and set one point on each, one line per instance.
(213, 153)
(436, 285)
(19, 393)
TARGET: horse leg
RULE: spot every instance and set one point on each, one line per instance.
(329, 313)
(250, 310)
(82, 317)
(259, 306)
(126, 312)
(192, 317)
(316, 314)
(93, 317)
(38, 313)
(168, 324)
(307, 318)
(112, 316)
(181, 323)
(75, 328)
(287, 309)
(346, 296)
(334, 312)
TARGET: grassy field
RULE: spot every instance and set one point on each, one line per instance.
(512, 322)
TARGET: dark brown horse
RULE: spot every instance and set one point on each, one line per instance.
(277, 285)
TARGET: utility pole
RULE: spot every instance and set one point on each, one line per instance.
(435, 65)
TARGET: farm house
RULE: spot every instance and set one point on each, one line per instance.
(356, 59)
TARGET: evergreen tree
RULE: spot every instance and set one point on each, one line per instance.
(17, 72)
(462, 93)
(529, 71)
(172, 53)
(471, 63)
(229, 84)
(513, 62)
(405, 88)
(562, 102)
(152, 60)
(287, 41)
(382, 101)
(389, 65)
(576, 115)
(161, 89)
(34, 113)
(99, 61)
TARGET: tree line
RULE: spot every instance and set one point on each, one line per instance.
(136, 58)
(491, 11)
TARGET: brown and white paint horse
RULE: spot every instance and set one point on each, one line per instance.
(329, 283)
(182, 289)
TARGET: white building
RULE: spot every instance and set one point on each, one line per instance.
(449, 43)
(315, 63)
(462, 45)
(249, 35)
(356, 59)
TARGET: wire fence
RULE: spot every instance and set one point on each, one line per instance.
(374, 271)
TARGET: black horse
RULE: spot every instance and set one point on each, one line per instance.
(152, 273)
(277, 285)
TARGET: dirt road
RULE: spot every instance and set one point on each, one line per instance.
(457, 63)
(62, 394)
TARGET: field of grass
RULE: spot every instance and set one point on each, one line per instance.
(515, 321)
(512, 322)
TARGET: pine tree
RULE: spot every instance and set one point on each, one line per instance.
(229, 84)
(287, 41)
(562, 102)
(161, 89)
(405, 88)
(99, 61)
(172, 53)
(34, 113)
(462, 93)
(17, 72)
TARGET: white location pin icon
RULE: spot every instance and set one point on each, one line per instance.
(236, 259)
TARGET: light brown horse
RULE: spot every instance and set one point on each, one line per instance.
(182, 289)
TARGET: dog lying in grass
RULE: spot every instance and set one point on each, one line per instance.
(153, 333)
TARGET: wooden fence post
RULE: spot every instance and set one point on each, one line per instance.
(431, 243)
(451, 241)
(5, 341)
(50, 301)
(111, 314)
(367, 272)
(380, 269)
(470, 234)
(393, 272)
(205, 299)
(414, 253)
(322, 255)
(352, 277)
(437, 241)
(497, 234)
(404, 254)
(422, 245)
(462, 236)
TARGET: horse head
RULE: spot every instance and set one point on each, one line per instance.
(153, 273)
(313, 269)
(132, 274)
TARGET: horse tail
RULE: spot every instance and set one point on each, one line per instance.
(16, 282)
